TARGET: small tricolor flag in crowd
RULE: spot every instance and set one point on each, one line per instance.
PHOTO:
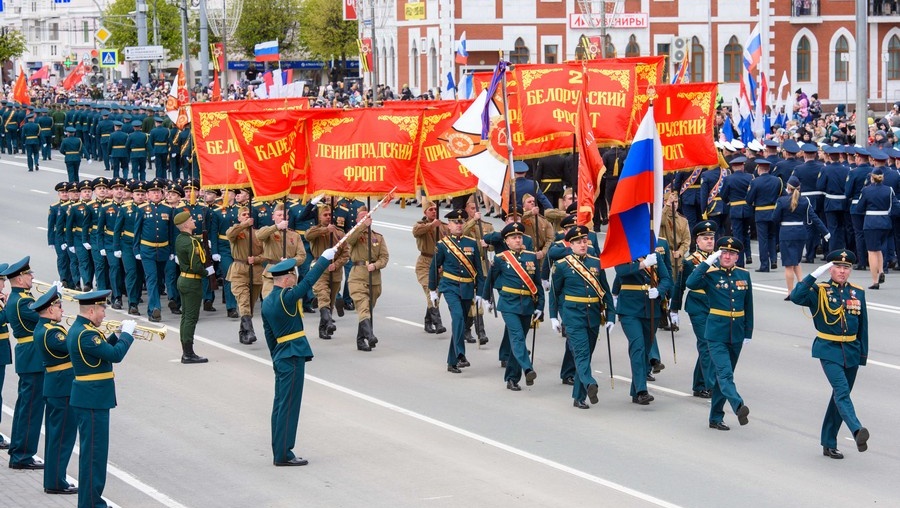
(267, 51)
(462, 55)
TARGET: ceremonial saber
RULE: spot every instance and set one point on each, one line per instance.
(612, 382)
(534, 327)
(386, 198)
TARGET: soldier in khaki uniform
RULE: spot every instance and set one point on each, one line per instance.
(476, 228)
(427, 233)
(674, 228)
(245, 290)
(364, 265)
(537, 227)
(276, 248)
(322, 236)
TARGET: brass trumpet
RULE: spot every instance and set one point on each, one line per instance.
(109, 327)
(67, 294)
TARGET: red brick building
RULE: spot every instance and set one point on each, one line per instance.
(803, 38)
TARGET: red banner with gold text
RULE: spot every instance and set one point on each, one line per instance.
(440, 173)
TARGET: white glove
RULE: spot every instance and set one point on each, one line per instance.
(103, 252)
(217, 258)
(87, 246)
(117, 253)
(822, 269)
(746, 341)
(490, 306)
(546, 284)
(318, 198)
(128, 326)
(479, 302)
(554, 323)
(610, 326)
(329, 253)
(72, 250)
(59, 286)
(434, 297)
(64, 246)
(209, 243)
(615, 301)
(673, 318)
(827, 236)
(210, 270)
(137, 256)
(172, 258)
(653, 293)
(713, 257)
(650, 259)
(538, 314)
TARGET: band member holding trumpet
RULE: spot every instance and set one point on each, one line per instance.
(191, 257)
(29, 411)
(58, 376)
(94, 391)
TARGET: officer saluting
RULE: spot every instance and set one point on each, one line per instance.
(586, 302)
(730, 323)
(94, 391)
(838, 310)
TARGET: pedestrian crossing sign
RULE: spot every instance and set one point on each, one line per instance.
(109, 57)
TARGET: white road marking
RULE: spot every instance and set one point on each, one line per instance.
(404, 321)
(39, 191)
(882, 364)
(42, 228)
(655, 386)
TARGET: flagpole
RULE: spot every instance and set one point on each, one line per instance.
(509, 160)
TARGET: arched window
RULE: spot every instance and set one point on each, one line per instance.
(520, 53)
(698, 58)
(803, 59)
(734, 55)
(413, 66)
(435, 82)
(841, 68)
(893, 69)
(610, 48)
(632, 49)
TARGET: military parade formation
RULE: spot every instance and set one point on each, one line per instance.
(132, 242)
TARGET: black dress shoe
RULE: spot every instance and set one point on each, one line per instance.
(208, 306)
(832, 453)
(117, 304)
(510, 385)
(742, 413)
(296, 461)
(642, 398)
(703, 394)
(787, 298)
(233, 313)
(530, 376)
(193, 358)
(34, 464)
(774, 266)
(718, 426)
(4, 445)
(568, 381)
(881, 278)
(133, 310)
(68, 490)
(861, 436)
(502, 364)
(875, 286)
(349, 305)
(463, 363)
(762, 270)
(580, 404)
(454, 369)
(592, 393)
(155, 316)
(470, 340)
(658, 365)
(650, 377)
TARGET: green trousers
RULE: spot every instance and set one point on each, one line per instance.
(191, 291)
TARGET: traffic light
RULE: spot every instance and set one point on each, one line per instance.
(97, 77)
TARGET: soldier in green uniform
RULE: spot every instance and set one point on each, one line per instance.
(729, 326)
(642, 284)
(28, 413)
(124, 246)
(475, 228)
(46, 136)
(138, 145)
(12, 128)
(516, 274)
(4, 117)
(697, 307)
(455, 273)
(70, 148)
(31, 140)
(159, 148)
(59, 421)
(59, 122)
(839, 315)
(106, 225)
(367, 262)
(191, 257)
(286, 339)
(78, 233)
(94, 390)
(5, 350)
(55, 236)
(583, 301)
(427, 233)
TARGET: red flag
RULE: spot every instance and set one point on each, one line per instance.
(590, 165)
(178, 103)
(218, 54)
(43, 73)
(74, 77)
(216, 87)
(20, 91)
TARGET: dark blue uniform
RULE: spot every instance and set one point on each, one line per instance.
(711, 183)
(29, 409)
(688, 185)
(808, 173)
(794, 225)
(831, 182)
(734, 194)
(857, 178)
(764, 192)
(876, 202)
(154, 235)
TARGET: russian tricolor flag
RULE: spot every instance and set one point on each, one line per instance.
(637, 199)
(267, 51)
(753, 50)
(462, 56)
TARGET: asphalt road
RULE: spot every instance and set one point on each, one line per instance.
(392, 428)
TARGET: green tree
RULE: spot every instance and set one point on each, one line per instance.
(12, 44)
(124, 31)
(324, 34)
(267, 20)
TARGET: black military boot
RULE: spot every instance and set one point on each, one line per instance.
(188, 355)
(468, 336)
(251, 334)
(323, 324)
(479, 330)
(429, 325)
(208, 306)
(242, 331)
(436, 318)
(174, 307)
(329, 320)
(370, 334)
(361, 337)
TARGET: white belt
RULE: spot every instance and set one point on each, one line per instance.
(812, 193)
(793, 224)
(854, 201)
(877, 212)
(835, 196)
